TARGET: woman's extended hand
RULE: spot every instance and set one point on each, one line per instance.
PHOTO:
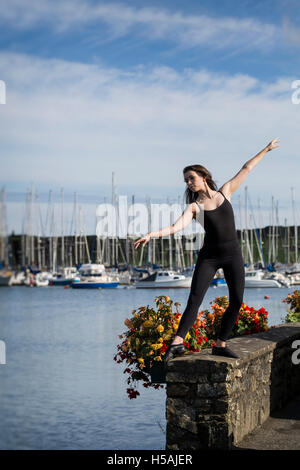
(143, 240)
(272, 145)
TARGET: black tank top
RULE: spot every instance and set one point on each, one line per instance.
(219, 224)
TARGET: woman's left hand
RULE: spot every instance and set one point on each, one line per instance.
(272, 145)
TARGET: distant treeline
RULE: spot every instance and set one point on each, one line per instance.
(277, 242)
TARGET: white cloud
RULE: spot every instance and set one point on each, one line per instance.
(72, 122)
(152, 23)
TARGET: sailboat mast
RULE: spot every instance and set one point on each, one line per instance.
(295, 226)
(62, 228)
(75, 229)
(112, 261)
(3, 231)
(38, 231)
(31, 227)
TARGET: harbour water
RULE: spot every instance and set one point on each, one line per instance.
(61, 389)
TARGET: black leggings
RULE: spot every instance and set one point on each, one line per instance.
(227, 256)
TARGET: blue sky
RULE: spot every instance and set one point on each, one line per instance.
(144, 88)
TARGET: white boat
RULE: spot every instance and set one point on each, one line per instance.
(280, 277)
(5, 278)
(163, 279)
(294, 278)
(94, 276)
(125, 278)
(256, 278)
(41, 279)
(64, 277)
(18, 278)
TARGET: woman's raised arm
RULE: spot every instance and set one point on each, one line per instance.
(232, 185)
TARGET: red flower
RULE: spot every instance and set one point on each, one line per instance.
(132, 393)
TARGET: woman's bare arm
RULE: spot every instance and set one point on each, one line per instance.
(185, 218)
(232, 185)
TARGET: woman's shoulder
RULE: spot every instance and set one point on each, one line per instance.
(225, 190)
(196, 208)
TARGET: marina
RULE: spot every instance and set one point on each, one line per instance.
(79, 260)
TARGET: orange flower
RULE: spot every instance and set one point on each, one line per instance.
(128, 323)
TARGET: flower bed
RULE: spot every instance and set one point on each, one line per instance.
(293, 300)
(150, 331)
(249, 320)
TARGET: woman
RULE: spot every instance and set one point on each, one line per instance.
(220, 249)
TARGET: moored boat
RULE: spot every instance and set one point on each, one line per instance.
(65, 277)
(41, 280)
(93, 276)
(256, 278)
(163, 279)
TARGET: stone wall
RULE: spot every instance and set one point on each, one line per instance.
(213, 401)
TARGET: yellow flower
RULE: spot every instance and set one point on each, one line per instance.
(147, 324)
(157, 358)
(167, 337)
(160, 328)
(188, 336)
(167, 298)
(141, 360)
(156, 346)
(160, 340)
